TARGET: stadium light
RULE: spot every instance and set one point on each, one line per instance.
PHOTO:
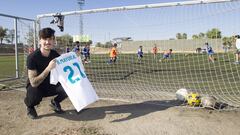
(81, 3)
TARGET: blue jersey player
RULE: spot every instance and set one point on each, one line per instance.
(140, 53)
(86, 54)
(210, 52)
(166, 55)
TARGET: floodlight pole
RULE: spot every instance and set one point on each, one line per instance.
(81, 3)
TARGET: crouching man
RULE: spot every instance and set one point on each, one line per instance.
(39, 65)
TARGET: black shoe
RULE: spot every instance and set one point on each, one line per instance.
(56, 107)
(31, 112)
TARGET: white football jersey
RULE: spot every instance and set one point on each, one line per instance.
(238, 43)
(69, 71)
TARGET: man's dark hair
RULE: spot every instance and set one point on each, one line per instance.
(46, 33)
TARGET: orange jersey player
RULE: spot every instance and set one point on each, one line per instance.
(113, 54)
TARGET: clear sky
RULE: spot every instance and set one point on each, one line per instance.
(147, 24)
(32, 8)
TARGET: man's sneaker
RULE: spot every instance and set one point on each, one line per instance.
(56, 107)
(31, 112)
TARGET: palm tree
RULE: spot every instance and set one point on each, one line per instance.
(3, 33)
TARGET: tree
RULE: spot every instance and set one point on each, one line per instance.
(90, 42)
(195, 37)
(3, 33)
(64, 40)
(30, 37)
(108, 44)
(178, 36)
(10, 36)
(99, 44)
(181, 36)
(184, 36)
(214, 33)
(201, 35)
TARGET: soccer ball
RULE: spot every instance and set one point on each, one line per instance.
(181, 94)
(208, 101)
(193, 99)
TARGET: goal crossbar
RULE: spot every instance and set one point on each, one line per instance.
(134, 7)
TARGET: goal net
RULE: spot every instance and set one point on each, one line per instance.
(14, 49)
(156, 73)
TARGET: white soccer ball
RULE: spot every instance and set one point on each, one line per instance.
(208, 101)
(181, 94)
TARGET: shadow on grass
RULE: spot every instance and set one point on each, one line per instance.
(134, 110)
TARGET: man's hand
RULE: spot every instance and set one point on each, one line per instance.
(51, 65)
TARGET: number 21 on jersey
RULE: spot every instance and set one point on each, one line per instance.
(71, 73)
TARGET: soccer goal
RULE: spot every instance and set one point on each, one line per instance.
(161, 48)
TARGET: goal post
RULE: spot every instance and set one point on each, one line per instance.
(182, 33)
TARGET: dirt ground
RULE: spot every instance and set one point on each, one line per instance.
(107, 117)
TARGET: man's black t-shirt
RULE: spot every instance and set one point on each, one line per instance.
(36, 61)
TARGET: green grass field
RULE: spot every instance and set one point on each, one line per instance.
(8, 66)
(192, 71)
